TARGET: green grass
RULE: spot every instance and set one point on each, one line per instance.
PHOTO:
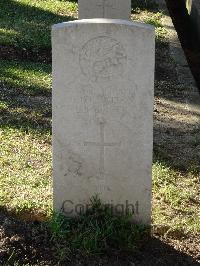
(176, 199)
(95, 231)
(25, 138)
(27, 24)
(30, 78)
(153, 18)
(25, 178)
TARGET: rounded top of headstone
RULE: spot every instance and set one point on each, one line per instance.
(104, 21)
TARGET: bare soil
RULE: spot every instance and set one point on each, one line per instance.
(28, 242)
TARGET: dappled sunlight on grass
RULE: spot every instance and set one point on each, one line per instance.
(32, 78)
(25, 138)
(27, 24)
(8, 36)
(180, 113)
(25, 118)
(154, 19)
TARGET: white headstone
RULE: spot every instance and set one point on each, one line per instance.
(103, 79)
(115, 9)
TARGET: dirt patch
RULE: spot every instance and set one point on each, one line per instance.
(30, 242)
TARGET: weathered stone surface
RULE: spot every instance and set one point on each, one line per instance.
(103, 76)
(115, 9)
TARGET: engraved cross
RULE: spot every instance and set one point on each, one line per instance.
(102, 145)
(104, 4)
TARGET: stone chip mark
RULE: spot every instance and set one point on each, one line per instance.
(75, 166)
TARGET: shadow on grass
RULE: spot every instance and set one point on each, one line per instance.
(25, 95)
(176, 118)
(25, 112)
(177, 142)
(30, 242)
(30, 78)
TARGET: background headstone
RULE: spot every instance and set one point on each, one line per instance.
(103, 78)
(115, 9)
